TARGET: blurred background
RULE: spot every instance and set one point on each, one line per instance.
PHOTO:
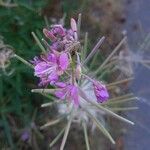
(20, 112)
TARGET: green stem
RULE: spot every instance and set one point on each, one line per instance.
(24, 61)
(38, 42)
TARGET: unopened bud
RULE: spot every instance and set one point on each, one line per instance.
(73, 25)
(78, 72)
(49, 35)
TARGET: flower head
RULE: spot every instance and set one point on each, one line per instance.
(49, 67)
(100, 91)
(74, 87)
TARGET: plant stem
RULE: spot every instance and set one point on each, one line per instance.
(43, 90)
(101, 127)
(57, 138)
(66, 131)
(51, 123)
(110, 56)
(119, 82)
(94, 50)
(24, 61)
(38, 42)
(86, 136)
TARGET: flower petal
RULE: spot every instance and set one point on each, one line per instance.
(63, 61)
(60, 94)
(60, 84)
(74, 95)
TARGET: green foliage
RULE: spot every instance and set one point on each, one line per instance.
(16, 100)
(17, 103)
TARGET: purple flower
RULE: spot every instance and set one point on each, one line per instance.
(49, 67)
(67, 91)
(25, 136)
(100, 91)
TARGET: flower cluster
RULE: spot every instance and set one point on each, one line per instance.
(63, 57)
(63, 71)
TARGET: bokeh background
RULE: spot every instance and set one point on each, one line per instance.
(20, 111)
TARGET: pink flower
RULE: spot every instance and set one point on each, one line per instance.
(48, 68)
(68, 92)
(100, 91)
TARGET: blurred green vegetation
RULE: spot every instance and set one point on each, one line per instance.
(17, 103)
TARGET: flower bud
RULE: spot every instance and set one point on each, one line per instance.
(100, 91)
(73, 25)
(49, 35)
(78, 72)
